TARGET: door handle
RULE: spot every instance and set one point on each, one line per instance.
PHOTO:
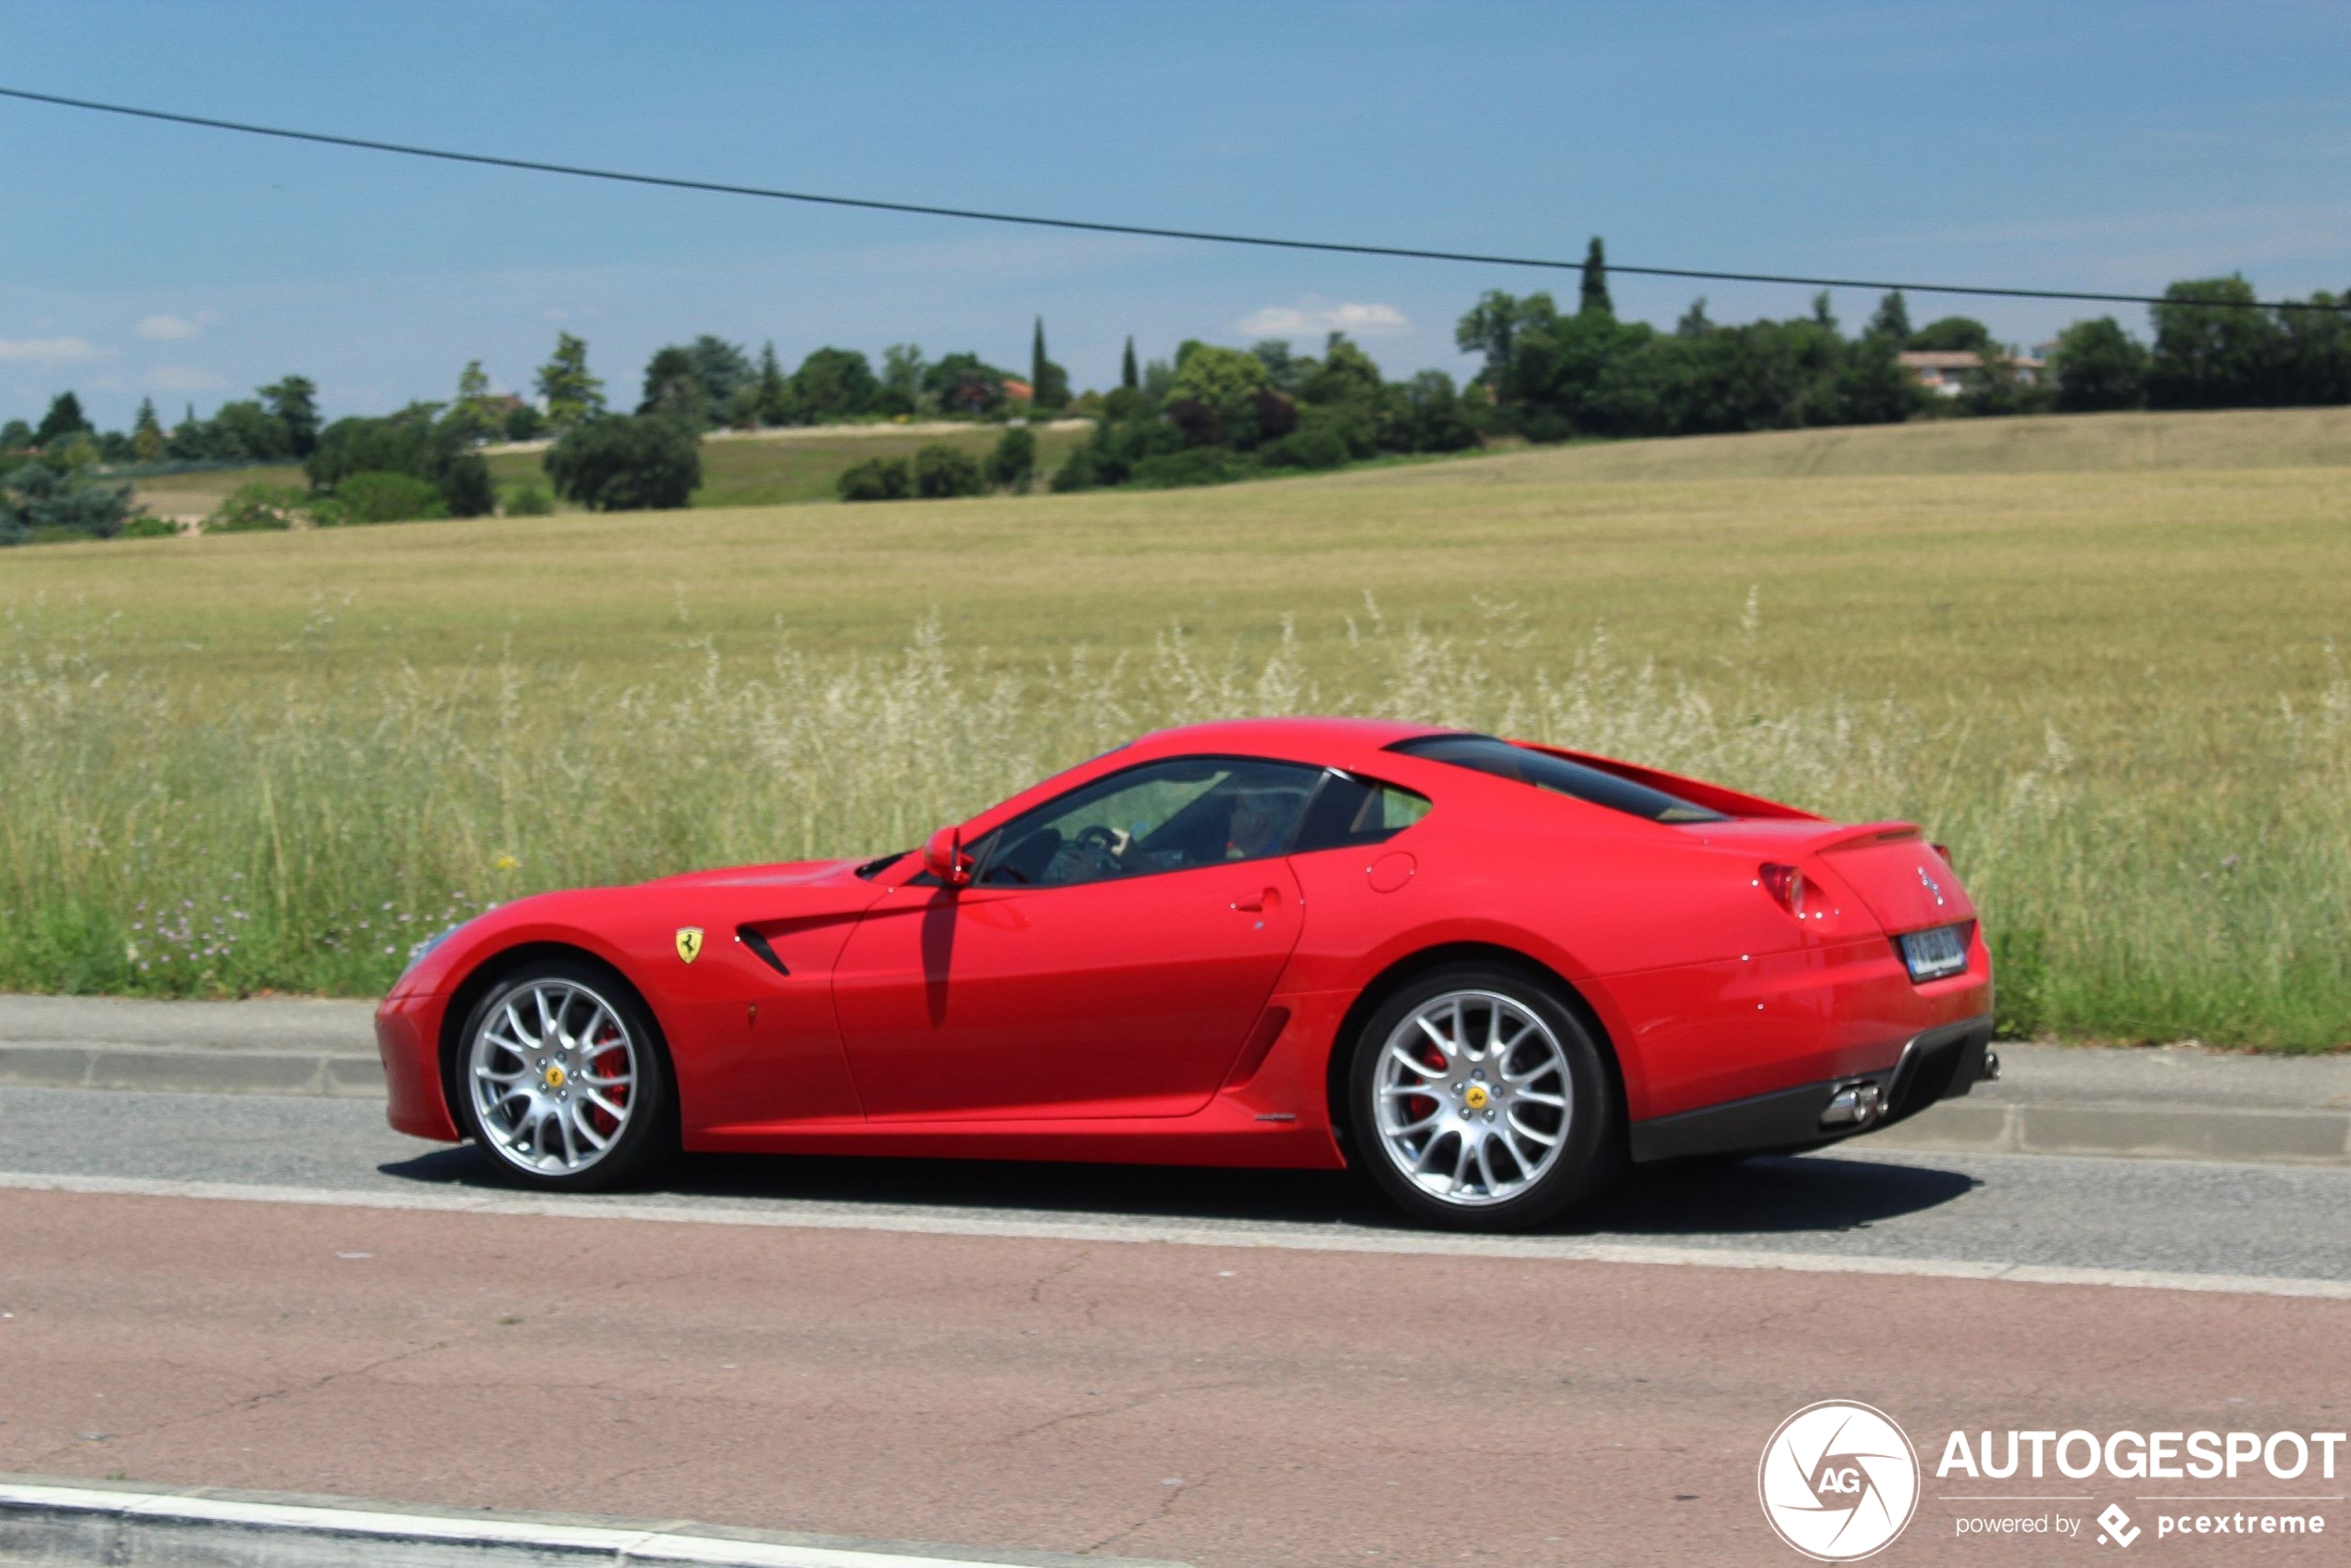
(1269, 899)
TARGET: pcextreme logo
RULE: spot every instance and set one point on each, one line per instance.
(1838, 1481)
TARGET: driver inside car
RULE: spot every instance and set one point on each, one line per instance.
(1256, 827)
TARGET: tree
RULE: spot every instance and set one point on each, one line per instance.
(1127, 376)
(417, 441)
(384, 497)
(941, 473)
(146, 433)
(1013, 463)
(64, 419)
(2315, 352)
(56, 492)
(901, 378)
(1591, 297)
(1494, 325)
(1694, 322)
(2213, 349)
(244, 429)
(964, 383)
(472, 415)
(1891, 320)
(1213, 397)
(834, 383)
(673, 390)
(1048, 383)
(627, 465)
(294, 401)
(774, 391)
(1345, 374)
(2100, 367)
(1954, 334)
(570, 393)
(15, 436)
(876, 478)
(722, 371)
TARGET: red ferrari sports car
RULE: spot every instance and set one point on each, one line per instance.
(1485, 973)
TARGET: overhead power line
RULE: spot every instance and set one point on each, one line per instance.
(1408, 252)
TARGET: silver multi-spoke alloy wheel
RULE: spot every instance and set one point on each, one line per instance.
(1473, 1098)
(553, 1075)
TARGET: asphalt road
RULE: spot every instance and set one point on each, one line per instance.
(881, 1349)
(2174, 1216)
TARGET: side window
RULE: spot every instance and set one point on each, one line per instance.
(1348, 812)
(1170, 816)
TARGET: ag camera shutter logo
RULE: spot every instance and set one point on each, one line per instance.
(1838, 1481)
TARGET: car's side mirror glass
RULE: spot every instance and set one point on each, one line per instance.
(945, 858)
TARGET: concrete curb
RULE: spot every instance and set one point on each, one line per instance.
(49, 1523)
(2143, 1130)
(62, 1064)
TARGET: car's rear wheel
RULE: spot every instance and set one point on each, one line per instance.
(1480, 1101)
(562, 1077)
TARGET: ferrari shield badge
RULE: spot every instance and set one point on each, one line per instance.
(689, 943)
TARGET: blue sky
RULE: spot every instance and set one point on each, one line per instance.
(2110, 146)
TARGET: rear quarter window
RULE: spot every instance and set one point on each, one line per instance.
(1348, 812)
(1484, 753)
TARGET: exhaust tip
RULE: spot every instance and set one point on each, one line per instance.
(1853, 1105)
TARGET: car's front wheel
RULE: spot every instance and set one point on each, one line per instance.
(1479, 1101)
(561, 1076)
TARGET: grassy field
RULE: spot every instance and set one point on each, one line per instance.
(778, 469)
(788, 466)
(2096, 655)
(196, 495)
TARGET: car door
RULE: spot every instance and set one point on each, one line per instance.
(1109, 958)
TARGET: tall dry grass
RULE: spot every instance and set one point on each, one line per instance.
(162, 834)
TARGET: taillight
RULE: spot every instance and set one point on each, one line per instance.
(1784, 883)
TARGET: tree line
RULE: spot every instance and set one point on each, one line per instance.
(1206, 414)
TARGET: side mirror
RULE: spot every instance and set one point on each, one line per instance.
(944, 858)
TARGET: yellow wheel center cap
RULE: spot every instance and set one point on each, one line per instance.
(1475, 1097)
(555, 1077)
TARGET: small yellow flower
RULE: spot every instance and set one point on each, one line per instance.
(508, 862)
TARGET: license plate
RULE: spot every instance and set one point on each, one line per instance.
(1932, 955)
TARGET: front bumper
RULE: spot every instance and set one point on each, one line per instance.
(408, 1038)
(1941, 1064)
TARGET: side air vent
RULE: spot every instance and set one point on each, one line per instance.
(760, 946)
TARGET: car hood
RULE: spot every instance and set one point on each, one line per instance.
(791, 874)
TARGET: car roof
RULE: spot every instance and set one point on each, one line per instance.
(1334, 742)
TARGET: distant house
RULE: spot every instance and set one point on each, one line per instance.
(1019, 391)
(1945, 371)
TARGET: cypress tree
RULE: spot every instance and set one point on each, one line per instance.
(1594, 300)
(146, 434)
(1127, 376)
(1036, 360)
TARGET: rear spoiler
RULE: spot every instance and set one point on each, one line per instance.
(1715, 797)
(1867, 834)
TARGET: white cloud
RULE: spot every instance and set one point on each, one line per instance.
(181, 378)
(166, 328)
(1311, 319)
(51, 351)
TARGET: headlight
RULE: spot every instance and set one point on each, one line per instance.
(417, 953)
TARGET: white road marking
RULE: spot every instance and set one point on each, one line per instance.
(590, 1542)
(788, 1215)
